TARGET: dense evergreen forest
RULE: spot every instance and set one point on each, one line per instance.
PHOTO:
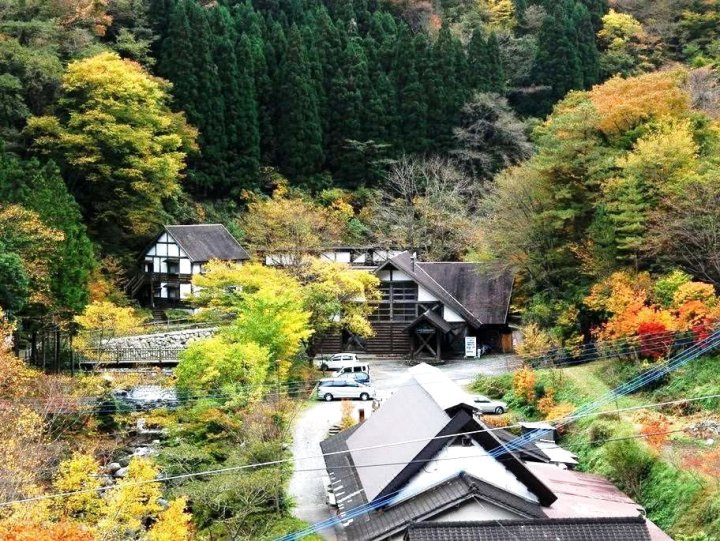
(574, 143)
(120, 115)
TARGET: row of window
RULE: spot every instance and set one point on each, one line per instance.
(398, 291)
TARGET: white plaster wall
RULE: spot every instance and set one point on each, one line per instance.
(450, 316)
(185, 290)
(474, 510)
(400, 276)
(424, 295)
(469, 511)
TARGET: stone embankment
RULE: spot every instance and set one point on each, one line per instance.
(173, 340)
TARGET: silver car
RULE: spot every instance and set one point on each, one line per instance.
(486, 405)
(330, 389)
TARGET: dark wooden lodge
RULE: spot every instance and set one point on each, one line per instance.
(427, 309)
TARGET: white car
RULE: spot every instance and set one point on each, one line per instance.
(330, 389)
(337, 361)
(486, 405)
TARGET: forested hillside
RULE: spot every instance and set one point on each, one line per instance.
(573, 143)
(121, 115)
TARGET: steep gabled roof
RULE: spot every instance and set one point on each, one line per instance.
(432, 317)
(434, 501)
(207, 241)
(485, 292)
(480, 296)
(425, 414)
(585, 529)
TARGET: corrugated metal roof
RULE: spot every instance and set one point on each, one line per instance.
(410, 414)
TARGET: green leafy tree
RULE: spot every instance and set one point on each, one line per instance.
(121, 148)
(40, 188)
(14, 282)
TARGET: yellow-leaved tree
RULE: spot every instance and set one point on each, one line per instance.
(78, 474)
(119, 145)
(131, 503)
(270, 324)
(102, 320)
(339, 297)
(289, 226)
(624, 103)
(173, 524)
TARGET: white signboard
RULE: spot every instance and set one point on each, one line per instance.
(470, 346)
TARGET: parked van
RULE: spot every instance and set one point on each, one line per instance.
(352, 369)
(337, 361)
(330, 389)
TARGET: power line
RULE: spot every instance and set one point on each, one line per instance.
(302, 384)
(322, 455)
(703, 346)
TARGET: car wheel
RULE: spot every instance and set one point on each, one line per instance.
(328, 397)
(499, 410)
(323, 367)
(364, 397)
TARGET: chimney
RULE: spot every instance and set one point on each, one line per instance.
(413, 258)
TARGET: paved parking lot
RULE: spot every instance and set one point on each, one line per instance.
(313, 424)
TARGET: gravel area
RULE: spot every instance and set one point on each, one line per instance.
(312, 426)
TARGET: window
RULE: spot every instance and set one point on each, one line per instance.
(173, 292)
(173, 266)
(398, 302)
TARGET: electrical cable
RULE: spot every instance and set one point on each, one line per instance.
(366, 448)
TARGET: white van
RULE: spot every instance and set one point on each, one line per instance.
(337, 361)
(352, 369)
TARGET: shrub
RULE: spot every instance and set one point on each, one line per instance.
(629, 465)
(601, 430)
(535, 342)
(559, 411)
(546, 404)
(493, 386)
(348, 419)
(524, 384)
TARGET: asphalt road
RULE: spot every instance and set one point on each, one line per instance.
(313, 424)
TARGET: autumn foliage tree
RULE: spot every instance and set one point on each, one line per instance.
(635, 305)
(121, 148)
(291, 227)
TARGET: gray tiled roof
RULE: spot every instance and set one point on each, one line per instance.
(207, 241)
(395, 518)
(580, 529)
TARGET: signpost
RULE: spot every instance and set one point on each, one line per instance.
(470, 346)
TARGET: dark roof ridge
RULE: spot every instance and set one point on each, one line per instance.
(639, 519)
(218, 244)
(192, 225)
